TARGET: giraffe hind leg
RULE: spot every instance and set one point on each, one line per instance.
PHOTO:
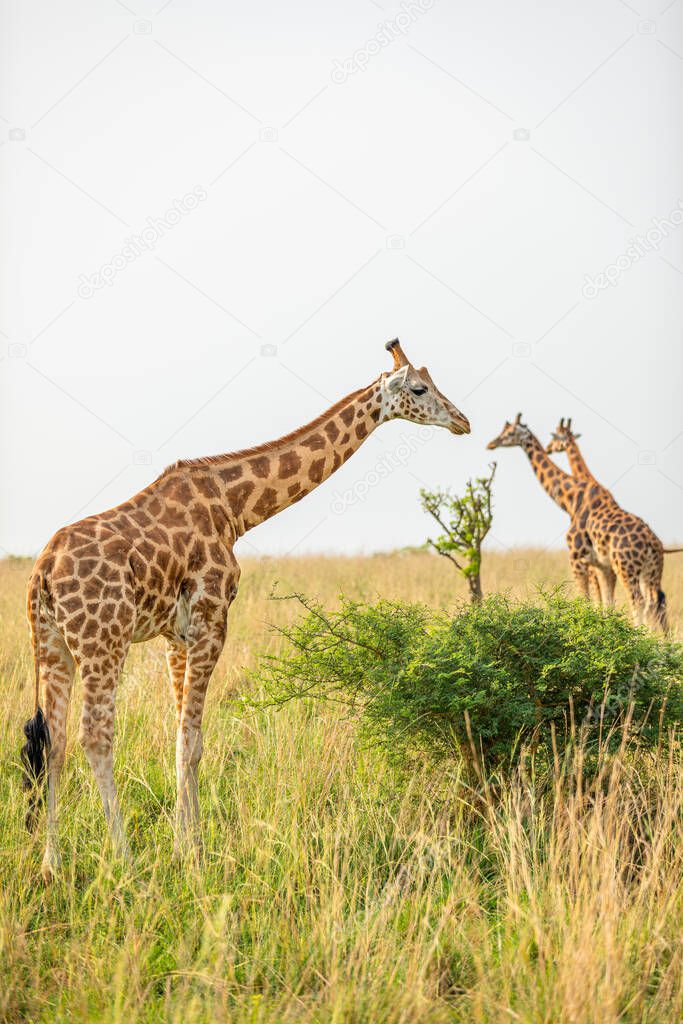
(659, 613)
(634, 594)
(56, 679)
(607, 581)
(651, 586)
(96, 736)
(655, 610)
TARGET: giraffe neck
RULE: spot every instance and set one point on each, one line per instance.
(255, 484)
(555, 482)
(577, 463)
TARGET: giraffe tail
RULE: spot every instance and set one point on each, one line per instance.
(661, 616)
(37, 746)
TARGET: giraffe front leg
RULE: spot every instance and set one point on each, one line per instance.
(580, 553)
(594, 588)
(581, 575)
(206, 642)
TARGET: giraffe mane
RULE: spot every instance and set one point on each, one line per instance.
(266, 446)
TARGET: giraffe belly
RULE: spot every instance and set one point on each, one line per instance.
(168, 618)
(156, 616)
(601, 554)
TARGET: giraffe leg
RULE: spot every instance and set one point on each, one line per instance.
(96, 735)
(580, 562)
(651, 585)
(202, 654)
(580, 571)
(634, 595)
(176, 659)
(655, 615)
(56, 677)
(655, 612)
(594, 587)
(607, 581)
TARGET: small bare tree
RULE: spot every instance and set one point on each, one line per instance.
(465, 522)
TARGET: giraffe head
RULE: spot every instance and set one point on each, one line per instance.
(512, 434)
(562, 437)
(411, 394)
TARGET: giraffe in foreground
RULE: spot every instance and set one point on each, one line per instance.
(623, 544)
(162, 564)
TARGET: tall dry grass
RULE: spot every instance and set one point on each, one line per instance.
(327, 891)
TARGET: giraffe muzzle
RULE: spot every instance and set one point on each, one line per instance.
(460, 424)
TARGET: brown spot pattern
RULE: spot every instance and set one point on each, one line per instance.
(267, 502)
(315, 442)
(260, 466)
(317, 470)
(289, 464)
(237, 496)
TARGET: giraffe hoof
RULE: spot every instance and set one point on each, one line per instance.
(51, 866)
(124, 856)
(186, 853)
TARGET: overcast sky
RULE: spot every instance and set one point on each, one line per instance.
(214, 215)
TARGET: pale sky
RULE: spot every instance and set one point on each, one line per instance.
(310, 180)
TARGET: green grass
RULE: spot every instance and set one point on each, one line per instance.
(327, 892)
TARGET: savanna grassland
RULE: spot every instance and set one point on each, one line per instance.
(329, 889)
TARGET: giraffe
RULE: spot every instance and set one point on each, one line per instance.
(602, 579)
(568, 493)
(162, 564)
(624, 545)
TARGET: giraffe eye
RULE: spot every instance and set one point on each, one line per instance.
(419, 391)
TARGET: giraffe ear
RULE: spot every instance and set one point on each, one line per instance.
(576, 435)
(395, 381)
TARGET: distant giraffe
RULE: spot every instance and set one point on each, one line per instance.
(601, 579)
(162, 564)
(567, 492)
(624, 545)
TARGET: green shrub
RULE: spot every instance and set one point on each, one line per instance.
(502, 673)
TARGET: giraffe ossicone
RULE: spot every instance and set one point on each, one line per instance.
(162, 564)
